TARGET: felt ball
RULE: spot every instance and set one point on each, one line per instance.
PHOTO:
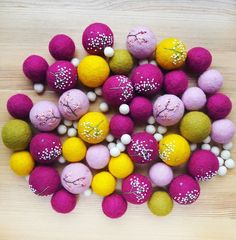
(91, 96)
(103, 106)
(195, 126)
(206, 146)
(35, 68)
(203, 165)
(16, 134)
(61, 76)
(45, 116)
(117, 89)
(228, 146)
(63, 201)
(174, 150)
(103, 183)
(21, 163)
(198, 60)
(141, 42)
(73, 104)
(225, 154)
(150, 129)
(114, 205)
(44, 180)
(136, 188)
(114, 151)
(93, 71)
(229, 163)
(45, 148)
(98, 91)
(184, 189)
(125, 139)
(168, 109)
(19, 106)
(194, 98)
(218, 106)
(222, 171)
(93, 127)
(110, 138)
(207, 139)
(61, 47)
(75, 62)
(96, 37)
(124, 109)
(176, 82)
(62, 129)
(98, 156)
(151, 120)
(171, 53)
(39, 88)
(158, 136)
(210, 81)
(161, 129)
(111, 145)
(147, 80)
(72, 132)
(143, 148)
(215, 150)
(108, 52)
(121, 146)
(160, 203)
(221, 161)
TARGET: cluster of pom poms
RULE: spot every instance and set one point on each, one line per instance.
(153, 94)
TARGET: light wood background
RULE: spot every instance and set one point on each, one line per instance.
(26, 27)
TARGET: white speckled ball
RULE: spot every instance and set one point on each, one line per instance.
(114, 152)
(151, 120)
(109, 52)
(91, 96)
(98, 91)
(120, 146)
(109, 138)
(222, 171)
(158, 136)
(62, 129)
(75, 62)
(225, 154)
(215, 150)
(229, 163)
(162, 129)
(150, 129)
(104, 107)
(72, 132)
(111, 145)
(206, 146)
(207, 140)
(126, 139)
(228, 146)
(39, 88)
(67, 123)
(124, 109)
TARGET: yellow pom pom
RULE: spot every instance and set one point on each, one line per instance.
(171, 53)
(93, 127)
(21, 163)
(121, 166)
(93, 71)
(103, 183)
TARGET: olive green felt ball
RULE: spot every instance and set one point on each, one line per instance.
(195, 126)
(16, 134)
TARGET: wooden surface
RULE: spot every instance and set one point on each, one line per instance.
(25, 28)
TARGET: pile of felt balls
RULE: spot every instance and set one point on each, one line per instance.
(147, 86)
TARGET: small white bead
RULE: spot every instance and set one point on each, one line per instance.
(109, 52)
(225, 154)
(228, 146)
(206, 146)
(229, 163)
(88, 192)
(75, 62)
(143, 61)
(72, 132)
(193, 146)
(158, 136)
(111, 145)
(98, 91)
(91, 96)
(222, 171)
(103, 106)
(221, 161)
(75, 124)
(126, 139)
(61, 129)
(38, 87)
(153, 62)
(124, 109)
(114, 152)
(215, 150)
(109, 138)
(150, 129)
(207, 140)
(120, 146)
(27, 178)
(161, 129)
(151, 120)
(67, 123)
(61, 160)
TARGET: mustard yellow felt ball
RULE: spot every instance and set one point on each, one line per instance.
(21, 163)
(103, 183)
(93, 127)
(121, 166)
(174, 150)
(93, 71)
(171, 53)
(74, 149)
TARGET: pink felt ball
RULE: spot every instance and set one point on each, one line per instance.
(203, 165)
(61, 47)
(63, 201)
(147, 80)
(19, 106)
(140, 109)
(176, 82)
(61, 76)
(120, 125)
(218, 106)
(114, 205)
(117, 89)
(184, 189)
(45, 148)
(44, 180)
(96, 37)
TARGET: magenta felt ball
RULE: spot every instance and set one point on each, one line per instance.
(117, 89)
(114, 205)
(19, 106)
(35, 68)
(147, 80)
(45, 148)
(198, 60)
(120, 125)
(44, 180)
(61, 76)
(96, 37)
(184, 189)
(176, 82)
(140, 109)
(143, 148)
(62, 47)
(219, 106)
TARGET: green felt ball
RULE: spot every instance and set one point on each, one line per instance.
(16, 134)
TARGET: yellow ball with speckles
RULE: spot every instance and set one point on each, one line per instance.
(93, 127)
(171, 53)
(174, 150)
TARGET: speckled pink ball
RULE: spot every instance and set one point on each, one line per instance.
(19, 106)
(96, 37)
(44, 181)
(114, 205)
(184, 189)
(141, 42)
(73, 104)
(61, 76)
(117, 89)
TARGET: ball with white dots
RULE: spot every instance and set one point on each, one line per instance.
(124, 109)
(222, 171)
(215, 150)
(120, 146)
(228, 146)
(61, 160)
(103, 106)
(109, 52)
(229, 163)
(111, 145)
(91, 96)
(221, 161)
(151, 120)
(161, 129)
(158, 136)
(207, 140)
(39, 87)
(126, 139)
(98, 91)
(62, 129)
(109, 138)
(114, 152)
(67, 123)
(75, 62)
(72, 132)
(193, 146)
(87, 192)
(206, 146)
(225, 154)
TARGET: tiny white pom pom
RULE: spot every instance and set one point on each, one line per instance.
(98, 91)
(222, 171)
(193, 146)
(124, 109)
(229, 163)
(207, 140)
(38, 87)
(158, 136)
(143, 61)
(91, 96)
(225, 154)
(114, 152)
(215, 150)
(161, 129)
(153, 62)
(61, 160)
(88, 192)
(71, 132)
(150, 129)
(120, 146)
(75, 124)
(206, 146)
(109, 138)
(151, 120)
(67, 123)
(27, 178)
(109, 52)
(111, 145)
(62, 129)
(221, 161)
(103, 106)
(228, 146)
(125, 139)
(75, 62)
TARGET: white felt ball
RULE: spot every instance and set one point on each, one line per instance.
(98, 91)
(222, 171)
(228, 146)
(27, 178)
(111, 145)
(158, 137)
(75, 124)
(151, 120)
(109, 52)
(38, 87)
(109, 138)
(125, 139)
(225, 154)
(62, 129)
(193, 146)
(143, 61)
(150, 129)
(221, 161)
(120, 146)
(207, 140)
(68, 123)
(161, 129)
(153, 62)
(61, 160)
(114, 152)
(91, 96)
(124, 109)
(104, 107)
(75, 62)
(229, 163)
(87, 192)
(215, 150)
(72, 132)
(206, 146)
